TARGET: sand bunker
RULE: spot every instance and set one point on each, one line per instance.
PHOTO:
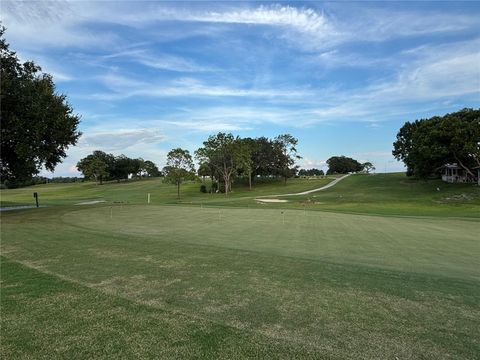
(90, 202)
(271, 200)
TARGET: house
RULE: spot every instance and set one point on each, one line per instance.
(453, 173)
(478, 174)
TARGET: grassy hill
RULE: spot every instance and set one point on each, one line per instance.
(135, 192)
(396, 194)
(381, 194)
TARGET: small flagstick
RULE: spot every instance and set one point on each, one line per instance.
(111, 212)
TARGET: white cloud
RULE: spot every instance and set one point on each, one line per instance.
(122, 88)
(440, 72)
(308, 163)
(159, 61)
(208, 126)
(380, 24)
(120, 139)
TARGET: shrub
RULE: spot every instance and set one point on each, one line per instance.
(203, 188)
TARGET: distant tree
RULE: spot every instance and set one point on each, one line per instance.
(122, 167)
(264, 158)
(204, 171)
(286, 144)
(343, 165)
(95, 166)
(426, 144)
(179, 167)
(246, 149)
(367, 167)
(151, 169)
(311, 172)
(137, 167)
(38, 124)
(222, 153)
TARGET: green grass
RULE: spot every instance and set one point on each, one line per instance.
(235, 279)
(381, 194)
(395, 194)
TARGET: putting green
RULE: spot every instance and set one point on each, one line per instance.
(431, 245)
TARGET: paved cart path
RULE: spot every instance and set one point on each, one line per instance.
(329, 185)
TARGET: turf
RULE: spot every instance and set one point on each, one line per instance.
(380, 194)
(150, 281)
(377, 267)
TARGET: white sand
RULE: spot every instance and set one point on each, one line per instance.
(90, 202)
(272, 200)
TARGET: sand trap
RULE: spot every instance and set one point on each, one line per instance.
(91, 202)
(271, 200)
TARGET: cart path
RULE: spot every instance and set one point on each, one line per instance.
(329, 185)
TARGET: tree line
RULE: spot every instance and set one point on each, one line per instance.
(225, 158)
(101, 167)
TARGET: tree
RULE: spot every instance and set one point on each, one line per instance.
(311, 172)
(246, 148)
(426, 145)
(286, 144)
(368, 166)
(137, 167)
(96, 166)
(204, 170)
(222, 153)
(38, 124)
(343, 165)
(264, 158)
(151, 169)
(179, 167)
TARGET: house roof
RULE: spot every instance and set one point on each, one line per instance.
(452, 166)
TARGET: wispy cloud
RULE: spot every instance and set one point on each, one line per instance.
(443, 71)
(120, 139)
(122, 88)
(158, 61)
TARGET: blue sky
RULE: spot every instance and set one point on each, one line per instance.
(341, 76)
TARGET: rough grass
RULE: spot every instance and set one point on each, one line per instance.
(137, 281)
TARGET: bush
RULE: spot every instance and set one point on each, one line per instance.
(214, 188)
(203, 188)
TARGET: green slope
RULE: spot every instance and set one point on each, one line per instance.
(135, 192)
(381, 194)
(395, 194)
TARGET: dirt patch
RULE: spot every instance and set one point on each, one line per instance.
(458, 198)
(309, 202)
(271, 200)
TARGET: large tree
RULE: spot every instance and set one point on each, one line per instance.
(38, 124)
(368, 166)
(343, 165)
(151, 169)
(222, 153)
(426, 145)
(97, 166)
(264, 158)
(287, 155)
(179, 167)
